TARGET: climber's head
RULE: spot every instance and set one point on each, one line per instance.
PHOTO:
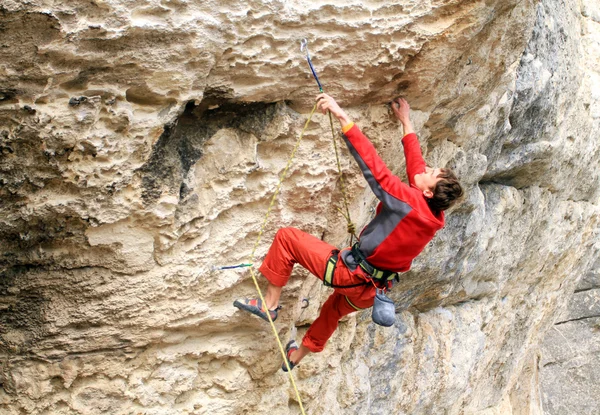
(440, 187)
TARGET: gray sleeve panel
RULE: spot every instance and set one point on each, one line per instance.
(381, 227)
(393, 209)
(349, 260)
(375, 233)
(389, 201)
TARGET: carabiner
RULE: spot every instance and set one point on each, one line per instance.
(303, 46)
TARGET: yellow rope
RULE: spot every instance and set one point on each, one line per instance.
(262, 229)
(351, 230)
(351, 227)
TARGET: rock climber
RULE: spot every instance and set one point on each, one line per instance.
(407, 218)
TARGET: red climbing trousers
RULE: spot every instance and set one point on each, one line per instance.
(292, 246)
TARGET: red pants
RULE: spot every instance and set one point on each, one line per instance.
(293, 246)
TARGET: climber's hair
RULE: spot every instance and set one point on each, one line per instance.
(447, 191)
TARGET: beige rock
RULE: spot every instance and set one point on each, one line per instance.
(141, 143)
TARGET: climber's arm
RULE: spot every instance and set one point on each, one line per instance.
(387, 187)
(415, 163)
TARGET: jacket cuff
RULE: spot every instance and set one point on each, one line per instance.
(347, 127)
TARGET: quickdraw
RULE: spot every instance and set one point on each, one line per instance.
(219, 267)
(303, 46)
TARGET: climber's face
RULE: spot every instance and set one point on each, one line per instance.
(427, 180)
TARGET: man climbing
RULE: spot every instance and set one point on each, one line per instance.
(407, 218)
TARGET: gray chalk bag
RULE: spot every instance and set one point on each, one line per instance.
(384, 310)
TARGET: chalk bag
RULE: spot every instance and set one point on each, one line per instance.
(384, 310)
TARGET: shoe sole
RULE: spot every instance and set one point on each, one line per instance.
(252, 309)
(291, 345)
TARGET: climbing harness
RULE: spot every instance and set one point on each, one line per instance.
(379, 278)
(384, 310)
(330, 270)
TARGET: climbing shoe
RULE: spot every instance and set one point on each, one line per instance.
(289, 349)
(256, 306)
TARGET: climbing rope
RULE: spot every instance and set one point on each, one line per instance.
(351, 227)
(251, 259)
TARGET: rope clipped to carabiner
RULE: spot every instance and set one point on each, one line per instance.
(350, 226)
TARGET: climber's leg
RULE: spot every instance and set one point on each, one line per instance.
(292, 246)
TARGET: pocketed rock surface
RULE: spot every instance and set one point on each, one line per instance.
(141, 142)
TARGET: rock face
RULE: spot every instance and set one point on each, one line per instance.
(141, 143)
(570, 373)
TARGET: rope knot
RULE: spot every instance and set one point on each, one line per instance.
(351, 228)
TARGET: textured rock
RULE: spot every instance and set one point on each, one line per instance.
(141, 143)
(570, 368)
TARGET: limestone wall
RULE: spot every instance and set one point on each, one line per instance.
(569, 362)
(141, 142)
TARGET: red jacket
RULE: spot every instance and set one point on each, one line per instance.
(404, 223)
